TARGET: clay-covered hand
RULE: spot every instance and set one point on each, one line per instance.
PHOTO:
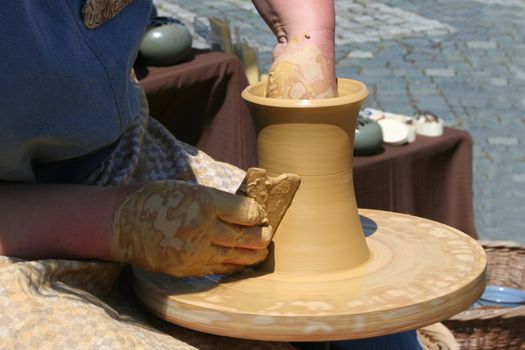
(185, 229)
(304, 58)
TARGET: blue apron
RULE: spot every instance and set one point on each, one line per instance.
(65, 92)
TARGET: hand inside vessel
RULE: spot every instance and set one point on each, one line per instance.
(304, 58)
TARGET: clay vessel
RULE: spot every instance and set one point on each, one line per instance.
(166, 42)
(368, 137)
(324, 280)
(321, 231)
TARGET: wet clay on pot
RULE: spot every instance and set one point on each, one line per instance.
(333, 273)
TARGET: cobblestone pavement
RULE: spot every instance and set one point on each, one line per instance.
(463, 60)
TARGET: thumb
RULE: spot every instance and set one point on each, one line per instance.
(237, 210)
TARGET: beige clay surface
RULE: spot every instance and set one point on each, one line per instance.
(419, 272)
(323, 280)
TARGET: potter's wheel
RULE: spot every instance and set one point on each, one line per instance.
(324, 280)
(419, 272)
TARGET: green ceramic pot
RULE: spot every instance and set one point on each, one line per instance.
(167, 41)
(368, 137)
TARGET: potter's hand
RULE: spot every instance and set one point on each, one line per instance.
(304, 63)
(185, 229)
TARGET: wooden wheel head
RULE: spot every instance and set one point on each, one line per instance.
(325, 280)
(419, 272)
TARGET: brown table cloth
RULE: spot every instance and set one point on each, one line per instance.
(199, 101)
(430, 178)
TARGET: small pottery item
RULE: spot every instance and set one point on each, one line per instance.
(408, 121)
(368, 137)
(394, 132)
(428, 124)
(377, 115)
(411, 125)
(502, 297)
(166, 42)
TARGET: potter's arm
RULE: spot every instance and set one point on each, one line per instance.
(304, 58)
(56, 221)
(171, 226)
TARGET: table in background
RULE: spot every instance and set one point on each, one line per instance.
(430, 178)
(200, 102)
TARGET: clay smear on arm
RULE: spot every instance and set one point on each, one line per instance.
(300, 75)
(301, 70)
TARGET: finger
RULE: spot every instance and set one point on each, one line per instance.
(237, 209)
(235, 236)
(239, 256)
(255, 237)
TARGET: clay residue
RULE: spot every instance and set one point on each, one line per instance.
(274, 194)
(287, 81)
(293, 75)
(185, 229)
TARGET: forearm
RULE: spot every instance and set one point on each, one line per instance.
(298, 15)
(304, 58)
(57, 221)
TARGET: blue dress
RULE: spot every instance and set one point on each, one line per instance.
(65, 89)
